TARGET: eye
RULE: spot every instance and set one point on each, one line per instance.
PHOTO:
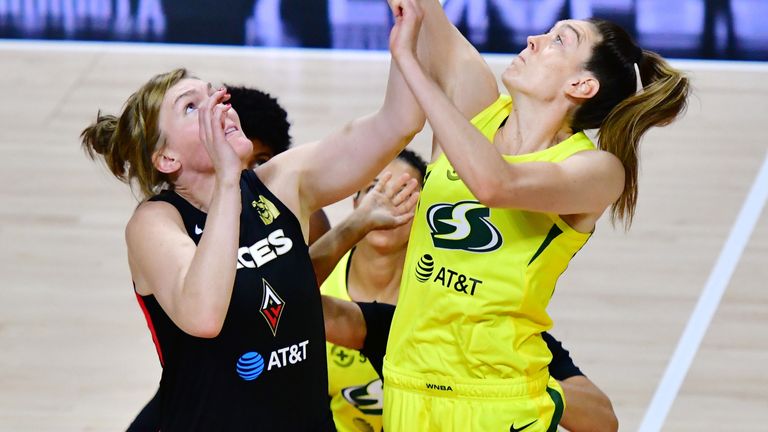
(558, 39)
(261, 159)
(190, 108)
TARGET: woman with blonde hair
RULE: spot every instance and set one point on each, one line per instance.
(513, 192)
(218, 252)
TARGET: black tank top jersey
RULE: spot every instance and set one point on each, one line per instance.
(266, 370)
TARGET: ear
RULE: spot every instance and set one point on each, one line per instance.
(583, 87)
(166, 161)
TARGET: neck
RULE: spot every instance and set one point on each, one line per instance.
(534, 125)
(198, 190)
(374, 275)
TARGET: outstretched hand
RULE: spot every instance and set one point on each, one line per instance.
(212, 117)
(390, 203)
(405, 33)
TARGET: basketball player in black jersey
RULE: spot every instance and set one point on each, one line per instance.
(228, 291)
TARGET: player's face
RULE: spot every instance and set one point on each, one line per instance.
(180, 127)
(261, 153)
(390, 240)
(552, 61)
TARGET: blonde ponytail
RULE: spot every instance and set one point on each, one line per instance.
(128, 141)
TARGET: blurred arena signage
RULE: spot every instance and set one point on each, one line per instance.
(681, 28)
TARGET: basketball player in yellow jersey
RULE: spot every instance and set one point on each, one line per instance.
(369, 272)
(513, 192)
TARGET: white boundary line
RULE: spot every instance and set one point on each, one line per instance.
(698, 323)
(154, 48)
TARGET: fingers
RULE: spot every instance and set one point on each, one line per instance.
(405, 33)
(212, 115)
(407, 208)
(410, 10)
(396, 7)
(218, 121)
(218, 108)
(382, 182)
(409, 197)
(400, 190)
(402, 220)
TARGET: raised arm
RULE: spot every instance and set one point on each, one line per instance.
(340, 164)
(451, 60)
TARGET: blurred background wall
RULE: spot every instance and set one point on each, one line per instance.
(712, 29)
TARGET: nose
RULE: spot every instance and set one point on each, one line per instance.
(532, 43)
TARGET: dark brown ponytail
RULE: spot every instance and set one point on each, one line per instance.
(624, 114)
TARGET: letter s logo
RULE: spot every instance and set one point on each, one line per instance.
(463, 226)
(281, 243)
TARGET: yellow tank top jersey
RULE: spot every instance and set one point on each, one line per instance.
(354, 386)
(477, 280)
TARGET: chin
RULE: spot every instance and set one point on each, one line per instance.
(509, 78)
(241, 145)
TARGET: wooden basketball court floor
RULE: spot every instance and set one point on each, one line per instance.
(75, 353)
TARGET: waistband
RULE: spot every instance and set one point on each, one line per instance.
(455, 387)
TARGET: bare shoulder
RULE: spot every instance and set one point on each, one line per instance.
(152, 235)
(149, 216)
(606, 161)
(602, 166)
(283, 173)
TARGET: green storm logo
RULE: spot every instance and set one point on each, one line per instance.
(463, 226)
(424, 268)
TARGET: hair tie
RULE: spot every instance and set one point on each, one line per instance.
(640, 89)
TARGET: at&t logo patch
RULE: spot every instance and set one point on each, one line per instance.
(424, 268)
(250, 365)
(459, 282)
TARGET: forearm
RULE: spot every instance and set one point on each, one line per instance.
(587, 408)
(441, 46)
(345, 161)
(344, 322)
(207, 287)
(328, 249)
(477, 162)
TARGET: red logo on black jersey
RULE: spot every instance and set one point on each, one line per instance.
(271, 307)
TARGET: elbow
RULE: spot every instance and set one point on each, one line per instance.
(487, 192)
(205, 327)
(606, 421)
(405, 123)
(608, 425)
(414, 125)
(615, 425)
(611, 421)
(408, 129)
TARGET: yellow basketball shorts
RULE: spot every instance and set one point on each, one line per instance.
(442, 404)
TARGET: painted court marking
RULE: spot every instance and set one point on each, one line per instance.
(708, 302)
